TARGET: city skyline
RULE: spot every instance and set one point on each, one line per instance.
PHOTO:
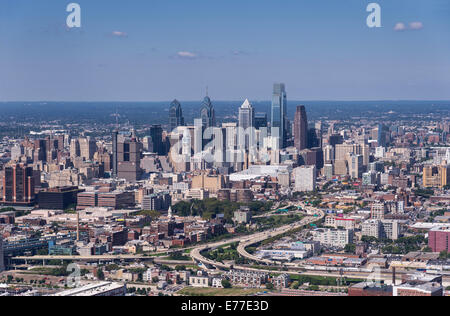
(161, 51)
(326, 173)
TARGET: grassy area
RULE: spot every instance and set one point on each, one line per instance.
(191, 291)
(323, 281)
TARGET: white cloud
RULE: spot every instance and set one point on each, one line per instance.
(185, 54)
(399, 27)
(119, 34)
(416, 25)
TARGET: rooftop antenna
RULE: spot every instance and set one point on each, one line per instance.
(117, 118)
(207, 93)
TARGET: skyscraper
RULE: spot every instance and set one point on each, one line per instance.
(18, 185)
(115, 136)
(246, 115)
(300, 128)
(175, 115)
(129, 151)
(279, 112)
(75, 150)
(260, 120)
(207, 113)
(246, 121)
(88, 147)
(156, 135)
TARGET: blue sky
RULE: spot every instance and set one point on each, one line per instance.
(154, 50)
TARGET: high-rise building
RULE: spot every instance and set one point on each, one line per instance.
(148, 143)
(328, 171)
(305, 178)
(279, 113)
(246, 121)
(338, 238)
(355, 166)
(207, 113)
(439, 239)
(382, 135)
(328, 153)
(343, 158)
(88, 147)
(261, 120)
(300, 128)
(246, 115)
(380, 229)
(436, 176)
(40, 150)
(75, 148)
(18, 185)
(156, 135)
(129, 151)
(313, 138)
(175, 115)
(115, 136)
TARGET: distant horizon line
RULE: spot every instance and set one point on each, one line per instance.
(223, 100)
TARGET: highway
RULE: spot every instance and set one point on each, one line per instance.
(316, 215)
(265, 235)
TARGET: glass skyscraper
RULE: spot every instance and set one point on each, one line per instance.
(246, 121)
(207, 113)
(279, 111)
(175, 115)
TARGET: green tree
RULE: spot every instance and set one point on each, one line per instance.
(269, 286)
(226, 284)
(100, 274)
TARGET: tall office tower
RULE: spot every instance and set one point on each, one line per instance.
(246, 115)
(328, 153)
(17, 152)
(382, 135)
(355, 166)
(148, 143)
(18, 185)
(246, 121)
(313, 139)
(260, 120)
(88, 147)
(175, 115)
(2, 257)
(129, 151)
(279, 113)
(328, 171)
(156, 135)
(40, 150)
(115, 136)
(207, 113)
(300, 128)
(366, 154)
(335, 139)
(319, 132)
(75, 150)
